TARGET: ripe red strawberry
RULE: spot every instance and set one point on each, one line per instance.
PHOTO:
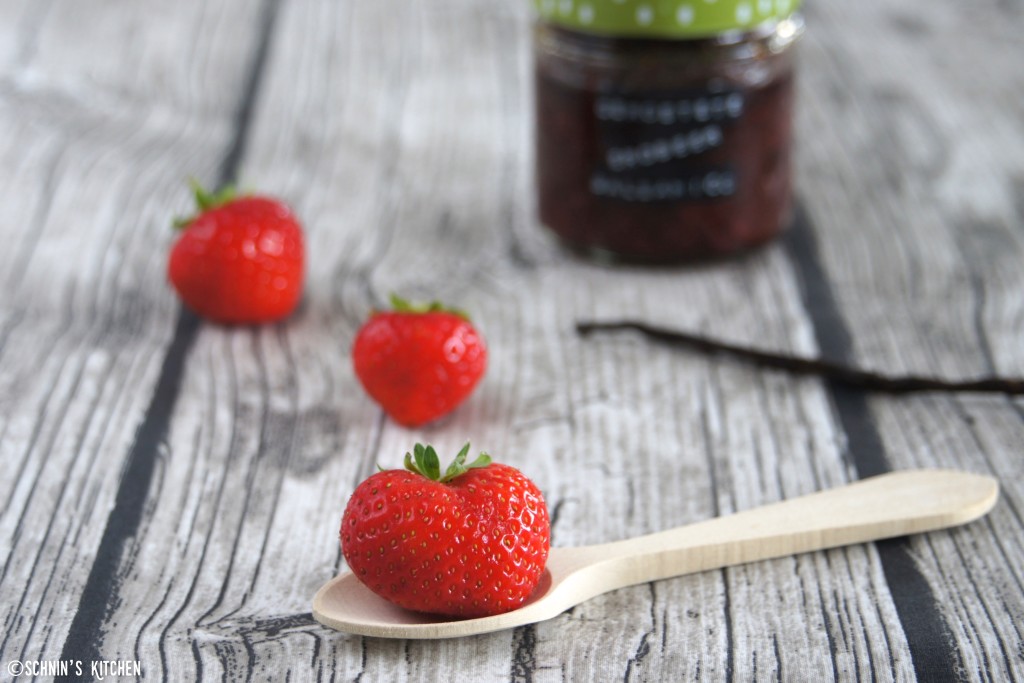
(418, 363)
(470, 543)
(240, 260)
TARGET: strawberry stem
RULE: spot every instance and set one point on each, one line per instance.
(424, 461)
(206, 200)
(400, 305)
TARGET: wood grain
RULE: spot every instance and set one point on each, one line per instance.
(400, 132)
(86, 317)
(921, 281)
(922, 243)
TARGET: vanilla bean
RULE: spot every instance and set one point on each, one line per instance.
(818, 367)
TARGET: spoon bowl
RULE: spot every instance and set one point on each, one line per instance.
(345, 604)
(889, 505)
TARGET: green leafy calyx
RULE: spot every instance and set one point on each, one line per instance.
(206, 200)
(424, 461)
(400, 305)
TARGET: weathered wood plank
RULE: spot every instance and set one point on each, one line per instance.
(920, 253)
(400, 132)
(975, 574)
(90, 150)
(242, 434)
(911, 175)
(402, 196)
(185, 60)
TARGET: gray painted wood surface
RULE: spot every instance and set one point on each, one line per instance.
(174, 488)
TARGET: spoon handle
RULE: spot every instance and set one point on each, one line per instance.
(880, 507)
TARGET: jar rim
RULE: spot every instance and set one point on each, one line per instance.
(671, 19)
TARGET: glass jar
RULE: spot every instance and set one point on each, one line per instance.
(663, 127)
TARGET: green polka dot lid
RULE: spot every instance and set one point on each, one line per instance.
(663, 18)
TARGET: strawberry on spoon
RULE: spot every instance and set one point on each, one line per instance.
(885, 506)
(471, 541)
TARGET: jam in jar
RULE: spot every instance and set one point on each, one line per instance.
(663, 127)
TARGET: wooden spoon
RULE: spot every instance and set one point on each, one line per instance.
(885, 506)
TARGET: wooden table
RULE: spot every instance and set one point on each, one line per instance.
(174, 488)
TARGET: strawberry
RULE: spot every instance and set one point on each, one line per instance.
(470, 543)
(418, 362)
(240, 260)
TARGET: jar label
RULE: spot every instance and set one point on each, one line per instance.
(659, 146)
(711, 183)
